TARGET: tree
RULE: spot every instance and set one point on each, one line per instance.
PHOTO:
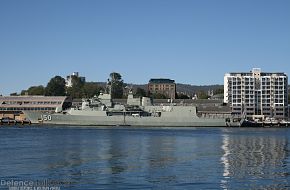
(77, 82)
(76, 91)
(14, 94)
(218, 91)
(36, 90)
(159, 96)
(140, 92)
(202, 95)
(182, 96)
(91, 89)
(23, 92)
(117, 85)
(55, 87)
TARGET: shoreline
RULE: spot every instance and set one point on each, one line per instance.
(130, 127)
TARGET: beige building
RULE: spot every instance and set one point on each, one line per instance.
(257, 94)
(162, 86)
(12, 106)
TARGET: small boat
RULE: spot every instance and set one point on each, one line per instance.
(268, 122)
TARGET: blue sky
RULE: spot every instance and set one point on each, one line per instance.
(190, 41)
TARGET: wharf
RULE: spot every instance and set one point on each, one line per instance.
(9, 121)
(266, 124)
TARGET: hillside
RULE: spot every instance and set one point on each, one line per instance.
(182, 88)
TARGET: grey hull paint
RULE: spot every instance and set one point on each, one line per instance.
(83, 120)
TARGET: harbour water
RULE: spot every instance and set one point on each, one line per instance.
(145, 158)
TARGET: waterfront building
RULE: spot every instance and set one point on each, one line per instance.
(257, 94)
(12, 106)
(69, 79)
(166, 87)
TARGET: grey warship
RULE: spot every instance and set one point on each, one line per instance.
(102, 111)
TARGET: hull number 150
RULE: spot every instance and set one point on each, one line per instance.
(46, 117)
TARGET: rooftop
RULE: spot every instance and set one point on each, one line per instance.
(257, 70)
(161, 80)
(32, 98)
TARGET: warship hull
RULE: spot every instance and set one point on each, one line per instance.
(85, 120)
(101, 111)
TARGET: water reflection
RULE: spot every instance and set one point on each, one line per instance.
(200, 158)
(161, 157)
(259, 158)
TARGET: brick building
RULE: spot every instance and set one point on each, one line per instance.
(162, 86)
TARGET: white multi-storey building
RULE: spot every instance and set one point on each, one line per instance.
(257, 93)
(69, 79)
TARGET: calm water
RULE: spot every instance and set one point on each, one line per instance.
(146, 158)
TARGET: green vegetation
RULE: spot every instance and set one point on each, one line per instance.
(81, 89)
(34, 90)
(76, 91)
(140, 92)
(117, 85)
(91, 89)
(218, 91)
(159, 96)
(14, 94)
(182, 96)
(55, 87)
(202, 95)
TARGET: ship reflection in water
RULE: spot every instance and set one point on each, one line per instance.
(148, 158)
